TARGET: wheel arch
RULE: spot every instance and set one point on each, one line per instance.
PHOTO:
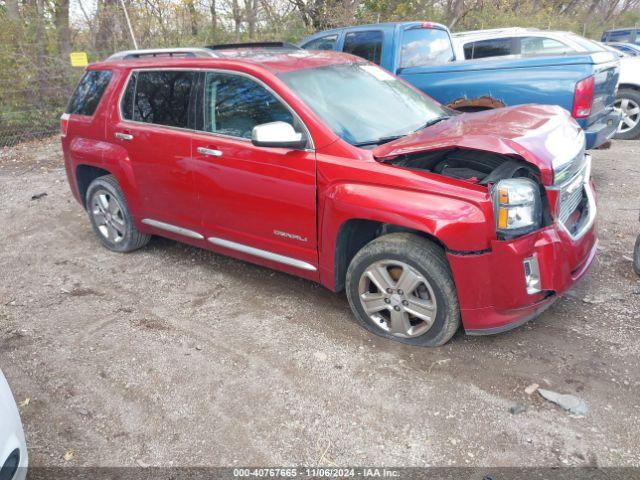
(355, 233)
(351, 215)
(118, 164)
(630, 86)
(85, 174)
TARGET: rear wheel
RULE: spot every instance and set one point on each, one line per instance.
(110, 216)
(628, 102)
(399, 286)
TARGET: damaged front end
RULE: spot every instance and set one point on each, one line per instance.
(519, 198)
(538, 180)
(531, 159)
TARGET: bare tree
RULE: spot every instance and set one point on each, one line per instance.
(252, 17)
(214, 18)
(13, 10)
(236, 12)
(322, 14)
(193, 17)
(106, 24)
(61, 17)
(456, 10)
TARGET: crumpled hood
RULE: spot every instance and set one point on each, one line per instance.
(543, 135)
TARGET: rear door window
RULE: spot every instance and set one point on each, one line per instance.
(89, 91)
(496, 47)
(425, 46)
(323, 43)
(367, 45)
(234, 104)
(159, 97)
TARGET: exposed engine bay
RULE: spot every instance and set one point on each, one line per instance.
(476, 166)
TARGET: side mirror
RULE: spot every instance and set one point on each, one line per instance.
(277, 135)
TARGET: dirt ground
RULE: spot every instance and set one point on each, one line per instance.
(176, 356)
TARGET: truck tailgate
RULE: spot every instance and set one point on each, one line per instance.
(516, 80)
(607, 73)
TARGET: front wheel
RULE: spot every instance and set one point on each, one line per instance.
(628, 102)
(400, 287)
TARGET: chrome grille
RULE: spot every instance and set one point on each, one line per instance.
(569, 201)
(573, 194)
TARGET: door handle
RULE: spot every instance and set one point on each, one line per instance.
(209, 151)
(124, 136)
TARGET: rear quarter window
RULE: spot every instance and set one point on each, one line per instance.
(88, 93)
(497, 47)
(542, 46)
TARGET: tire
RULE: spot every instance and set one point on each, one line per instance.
(109, 213)
(425, 265)
(629, 101)
(636, 256)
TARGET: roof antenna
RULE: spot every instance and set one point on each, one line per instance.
(126, 15)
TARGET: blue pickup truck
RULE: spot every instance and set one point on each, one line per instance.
(422, 53)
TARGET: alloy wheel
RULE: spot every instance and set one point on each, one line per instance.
(630, 114)
(108, 216)
(397, 298)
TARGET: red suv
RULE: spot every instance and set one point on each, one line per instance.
(325, 166)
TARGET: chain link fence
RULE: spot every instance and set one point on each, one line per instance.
(34, 90)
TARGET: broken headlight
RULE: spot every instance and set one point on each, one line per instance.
(516, 207)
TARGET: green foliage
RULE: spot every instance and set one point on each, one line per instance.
(36, 78)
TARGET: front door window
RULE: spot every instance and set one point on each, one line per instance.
(234, 104)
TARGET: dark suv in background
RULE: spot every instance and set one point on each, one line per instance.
(623, 35)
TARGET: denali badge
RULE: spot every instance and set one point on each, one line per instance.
(293, 236)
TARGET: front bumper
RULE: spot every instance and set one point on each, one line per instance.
(492, 286)
(602, 129)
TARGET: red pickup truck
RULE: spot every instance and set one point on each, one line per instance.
(325, 166)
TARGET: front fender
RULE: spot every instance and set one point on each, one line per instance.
(461, 225)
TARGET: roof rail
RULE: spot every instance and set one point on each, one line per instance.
(495, 30)
(225, 46)
(162, 52)
(621, 29)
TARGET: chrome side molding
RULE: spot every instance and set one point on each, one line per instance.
(172, 228)
(256, 252)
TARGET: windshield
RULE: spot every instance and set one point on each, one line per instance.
(362, 103)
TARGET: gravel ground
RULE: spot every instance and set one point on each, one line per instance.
(176, 356)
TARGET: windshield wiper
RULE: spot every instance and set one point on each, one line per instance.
(433, 121)
(382, 140)
(379, 141)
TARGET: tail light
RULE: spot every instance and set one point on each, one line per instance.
(64, 124)
(583, 97)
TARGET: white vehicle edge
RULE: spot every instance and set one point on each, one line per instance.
(628, 98)
(12, 443)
